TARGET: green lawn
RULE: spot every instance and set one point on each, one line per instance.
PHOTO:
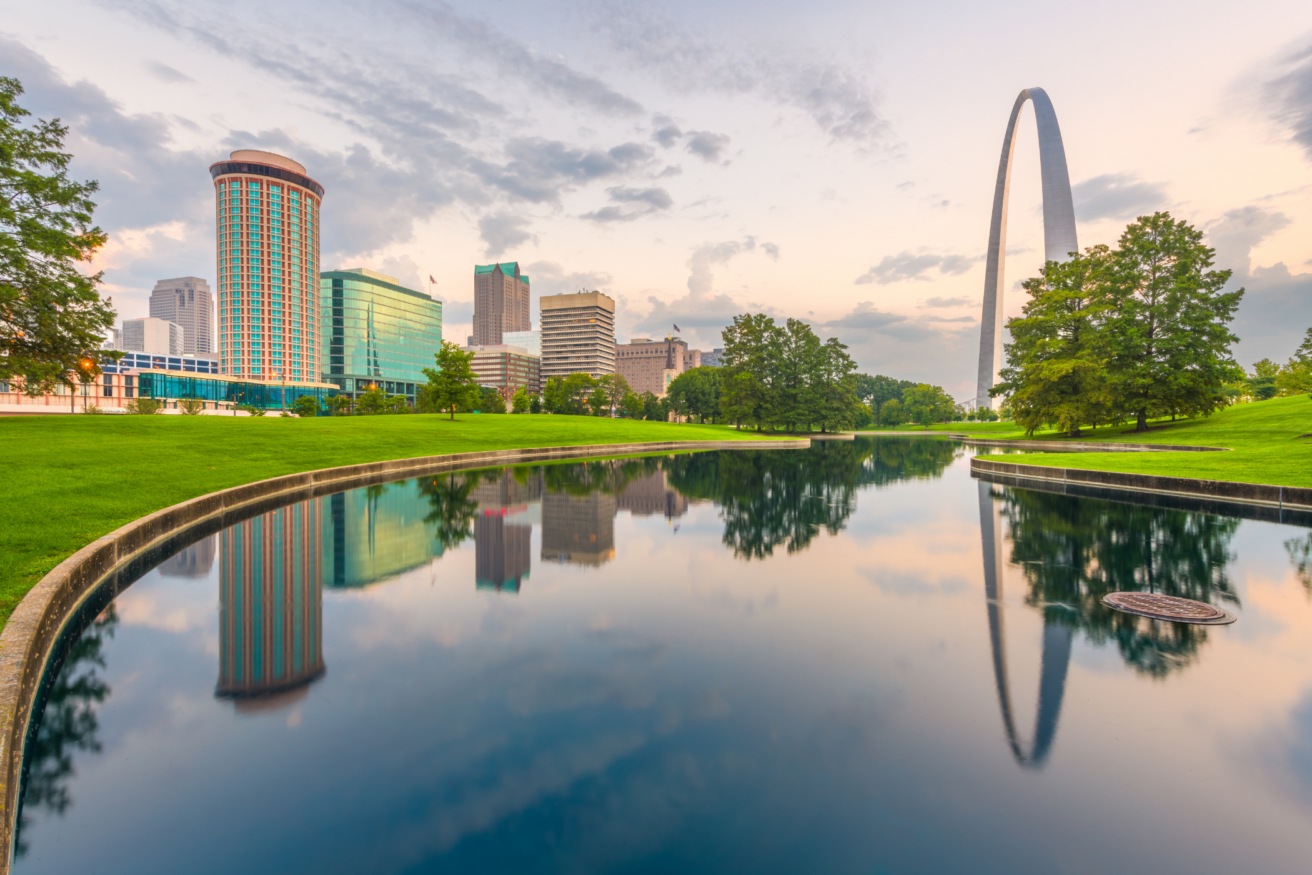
(70, 479)
(1268, 438)
(999, 429)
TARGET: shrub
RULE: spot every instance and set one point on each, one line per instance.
(191, 406)
(144, 406)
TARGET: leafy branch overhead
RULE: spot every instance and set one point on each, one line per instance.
(51, 315)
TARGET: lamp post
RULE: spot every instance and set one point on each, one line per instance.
(84, 371)
(282, 390)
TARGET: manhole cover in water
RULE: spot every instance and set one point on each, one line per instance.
(1167, 607)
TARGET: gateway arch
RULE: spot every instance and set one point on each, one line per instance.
(1058, 227)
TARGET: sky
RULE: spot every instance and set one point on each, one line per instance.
(829, 161)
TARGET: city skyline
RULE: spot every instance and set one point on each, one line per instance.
(861, 208)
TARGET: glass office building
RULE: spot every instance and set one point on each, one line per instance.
(376, 332)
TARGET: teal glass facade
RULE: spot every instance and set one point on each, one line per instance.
(376, 333)
(172, 386)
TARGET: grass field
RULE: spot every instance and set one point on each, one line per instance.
(70, 479)
(1269, 439)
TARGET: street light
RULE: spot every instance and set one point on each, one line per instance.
(85, 364)
(282, 390)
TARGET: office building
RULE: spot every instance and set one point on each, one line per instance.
(376, 332)
(712, 359)
(187, 301)
(501, 302)
(651, 365)
(270, 607)
(153, 336)
(578, 335)
(268, 215)
(507, 369)
(529, 340)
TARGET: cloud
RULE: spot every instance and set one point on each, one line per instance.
(666, 132)
(907, 266)
(538, 167)
(932, 318)
(771, 250)
(923, 349)
(1116, 196)
(706, 256)
(631, 203)
(838, 101)
(503, 230)
(1290, 97)
(707, 145)
(948, 302)
(1277, 304)
(670, 170)
(165, 73)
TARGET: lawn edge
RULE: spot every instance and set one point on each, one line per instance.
(33, 629)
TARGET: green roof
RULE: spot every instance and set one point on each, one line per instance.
(507, 268)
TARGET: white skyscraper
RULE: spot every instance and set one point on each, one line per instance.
(151, 335)
(187, 301)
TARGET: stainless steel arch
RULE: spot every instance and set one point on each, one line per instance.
(1056, 648)
(1058, 227)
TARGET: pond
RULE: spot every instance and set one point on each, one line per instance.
(854, 658)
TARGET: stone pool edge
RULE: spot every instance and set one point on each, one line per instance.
(1267, 495)
(35, 625)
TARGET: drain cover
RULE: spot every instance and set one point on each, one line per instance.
(1168, 607)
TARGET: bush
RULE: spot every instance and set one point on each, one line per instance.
(251, 409)
(306, 406)
(191, 406)
(93, 410)
(144, 406)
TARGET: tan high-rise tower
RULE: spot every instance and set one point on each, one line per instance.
(501, 302)
(578, 335)
(268, 253)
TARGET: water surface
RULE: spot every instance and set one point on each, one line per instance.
(854, 658)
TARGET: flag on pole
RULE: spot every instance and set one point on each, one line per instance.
(431, 280)
(676, 328)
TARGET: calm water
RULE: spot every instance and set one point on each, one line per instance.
(849, 659)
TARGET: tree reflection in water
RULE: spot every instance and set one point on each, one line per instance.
(1073, 551)
(782, 498)
(67, 724)
(1300, 553)
(451, 510)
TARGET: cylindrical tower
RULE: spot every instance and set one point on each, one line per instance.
(267, 213)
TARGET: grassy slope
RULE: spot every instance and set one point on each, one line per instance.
(1264, 437)
(70, 479)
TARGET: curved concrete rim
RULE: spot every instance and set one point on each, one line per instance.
(36, 624)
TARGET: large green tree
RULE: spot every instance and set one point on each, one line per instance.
(1055, 369)
(1167, 330)
(924, 405)
(51, 316)
(836, 387)
(697, 392)
(752, 345)
(451, 384)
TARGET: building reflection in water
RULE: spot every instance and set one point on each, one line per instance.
(375, 533)
(509, 502)
(193, 563)
(578, 514)
(650, 495)
(270, 607)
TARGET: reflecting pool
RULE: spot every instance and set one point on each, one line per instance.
(854, 658)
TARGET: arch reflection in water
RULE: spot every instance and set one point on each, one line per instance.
(1056, 647)
(270, 607)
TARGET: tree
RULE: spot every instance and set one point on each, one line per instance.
(696, 392)
(751, 344)
(1262, 385)
(1055, 369)
(573, 393)
(371, 402)
(836, 387)
(306, 406)
(51, 315)
(616, 388)
(451, 384)
(340, 405)
(632, 406)
(879, 390)
(1167, 330)
(490, 401)
(925, 404)
(535, 404)
(796, 402)
(520, 403)
(599, 401)
(652, 409)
